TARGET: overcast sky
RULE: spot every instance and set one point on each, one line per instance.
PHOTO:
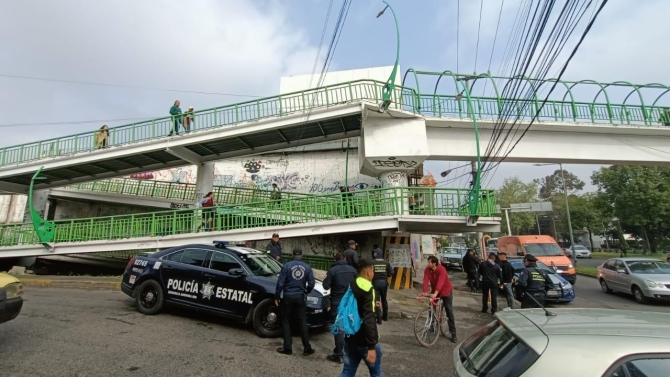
(244, 47)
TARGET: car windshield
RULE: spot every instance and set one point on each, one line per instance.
(453, 251)
(580, 247)
(649, 267)
(542, 249)
(261, 264)
(545, 268)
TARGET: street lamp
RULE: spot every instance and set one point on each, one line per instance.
(567, 206)
(446, 173)
(387, 91)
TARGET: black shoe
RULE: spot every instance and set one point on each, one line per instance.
(335, 359)
(485, 311)
(385, 319)
(379, 321)
(284, 351)
(308, 352)
(493, 312)
(454, 338)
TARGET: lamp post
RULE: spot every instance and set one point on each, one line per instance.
(387, 91)
(567, 206)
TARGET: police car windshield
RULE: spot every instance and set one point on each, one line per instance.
(543, 249)
(261, 264)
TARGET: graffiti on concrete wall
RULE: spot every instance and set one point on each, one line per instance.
(328, 245)
(394, 180)
(179, 205)
(145, 175)
(393, 162)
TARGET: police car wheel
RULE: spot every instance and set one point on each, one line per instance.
(149, 297)
(267, 319)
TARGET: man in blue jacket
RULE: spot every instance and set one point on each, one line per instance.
(338, 279)
(296, 280)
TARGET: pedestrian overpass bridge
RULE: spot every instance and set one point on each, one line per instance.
(565, 130)
(250, 216)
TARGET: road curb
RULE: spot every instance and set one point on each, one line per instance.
(586, 275)
(73, 284)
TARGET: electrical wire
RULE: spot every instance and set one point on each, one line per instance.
(70, 122)
(495, 38)
(126, 86)
(479, 29)
(458, 29)
(318, 52)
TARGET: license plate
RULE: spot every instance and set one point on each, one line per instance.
(132, 279)
(553, 294)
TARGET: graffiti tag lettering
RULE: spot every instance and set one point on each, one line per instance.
(252, 166)
(393, 162)
(179, 205)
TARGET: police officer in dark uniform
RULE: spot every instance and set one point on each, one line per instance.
(274, 248)
(338, 279)
(533, 282)
(351, 254)
(383, 271)
(296, 280)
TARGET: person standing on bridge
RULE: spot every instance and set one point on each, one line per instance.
(274, 248)
(175, 112)
(207, 204)
(189, 120)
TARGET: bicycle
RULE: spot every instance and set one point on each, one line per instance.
(428, 321)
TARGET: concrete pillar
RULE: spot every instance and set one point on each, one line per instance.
(204, 182)
(40, 202)
(398, 180)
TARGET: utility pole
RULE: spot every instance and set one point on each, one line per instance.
(537, 219)
(567, 209)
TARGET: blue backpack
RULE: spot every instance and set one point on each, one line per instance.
(348, 321)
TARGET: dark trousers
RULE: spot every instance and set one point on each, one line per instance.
(382, 288)
(353, 357)
(528, 303)
(447, 302)
(294, 305)
(492, 288)
(339, 338)
(473, 282)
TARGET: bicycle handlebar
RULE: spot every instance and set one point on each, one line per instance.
(433, 301)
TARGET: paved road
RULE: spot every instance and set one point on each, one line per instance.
(592, 262)
(589, 295)
(67, 332)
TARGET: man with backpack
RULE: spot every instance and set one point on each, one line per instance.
(363, 343)
(338, 279)
(295, 281)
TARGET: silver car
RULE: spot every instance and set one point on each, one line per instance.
(574, 342)
(644, 278)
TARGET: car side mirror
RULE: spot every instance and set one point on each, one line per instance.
(621, 271)
(236, 272)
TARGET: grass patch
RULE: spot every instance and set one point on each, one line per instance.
(584, 270)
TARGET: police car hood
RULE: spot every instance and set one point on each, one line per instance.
(270, 283)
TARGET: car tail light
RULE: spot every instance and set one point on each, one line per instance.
(130, 263)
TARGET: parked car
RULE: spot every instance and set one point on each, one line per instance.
(452, 257)
(11, 300)
(644, 278)
(228, 281)
(529, 342)
(581, 251)
(562, 290)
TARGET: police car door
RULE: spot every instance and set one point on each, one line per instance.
(181, 275)
(229, 287)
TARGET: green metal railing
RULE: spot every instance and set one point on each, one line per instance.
(308, 209)
(404, 98)
(223, 195)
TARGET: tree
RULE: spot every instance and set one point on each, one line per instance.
(640, 197)
(553, 184)
(585, 214)
(514, 190)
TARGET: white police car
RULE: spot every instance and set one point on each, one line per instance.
(230, 281)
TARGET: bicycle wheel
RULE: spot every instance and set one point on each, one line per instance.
(426, 328)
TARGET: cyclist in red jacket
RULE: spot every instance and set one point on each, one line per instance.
(436, 275)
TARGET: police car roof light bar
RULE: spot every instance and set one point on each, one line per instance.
(221, 243)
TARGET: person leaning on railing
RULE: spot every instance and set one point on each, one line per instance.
(175, 112)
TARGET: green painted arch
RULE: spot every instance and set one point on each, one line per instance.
(568, 91)
(453, 76)
(657, 85)
(602, 89)
(530, 82)
(645, 116)
(416, 79)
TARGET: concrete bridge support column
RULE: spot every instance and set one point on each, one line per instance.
(204, 182)
(399, 180)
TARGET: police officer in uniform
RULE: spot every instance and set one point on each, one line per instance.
(533, 282)
(296, 280)
(383, 271)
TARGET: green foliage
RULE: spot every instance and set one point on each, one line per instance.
(513, 191)
(553, 184)
(640, 197)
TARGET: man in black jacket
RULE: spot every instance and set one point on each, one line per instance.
(364, 345)
(470, 268)
(507, 277)
(491, 277)
(295, 281)
(351, 254)
(533, 282)
(274, 248)
(338, 279)
(383, 271)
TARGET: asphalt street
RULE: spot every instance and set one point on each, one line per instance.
(589, 295)
(71, 332)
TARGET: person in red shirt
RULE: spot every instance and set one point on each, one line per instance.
(440, 285)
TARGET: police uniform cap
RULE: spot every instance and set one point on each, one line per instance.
(352, 242)
(530, 258)
(297, 251)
